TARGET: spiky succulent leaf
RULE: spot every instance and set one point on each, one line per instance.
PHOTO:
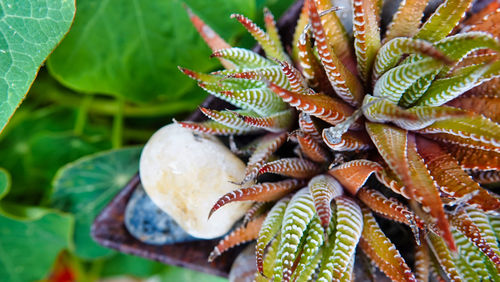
(349, 226)
(463, 223)
(272, 48)
(407, 20)
(353, 175)
(214, 128)
(381, 251)
(473, 256)
(298, 214)
(238, 236)
(391, 143)
(319, 105)
(425, 192)
(272, 30)
(312, 248)
(450, 177)
(262, 192)
(446, 89)
(349, 141)
(366, 34)
(278, 122)
(242, 58)
(293, 167)
(271, 255)
(481, 221)
(475, 131)
(308, 126)
(335, 32)
(390, 53)
(393, 83)
(267, 145)
(422, 262)
(270, 73)
(443, 20)
(311, 148)
(323, 189)
(390, 208)
(270, 227)
(345, 84)
(444, 257)
(229, 118)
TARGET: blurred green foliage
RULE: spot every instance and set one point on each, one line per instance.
(75, 140)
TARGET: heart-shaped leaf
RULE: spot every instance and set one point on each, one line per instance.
(132, 48)
(28, 33)
(85, 186)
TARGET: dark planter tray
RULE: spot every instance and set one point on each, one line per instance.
(109, 228)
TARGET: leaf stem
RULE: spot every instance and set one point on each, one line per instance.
(81, 118)
(105, 106)
(117, 130)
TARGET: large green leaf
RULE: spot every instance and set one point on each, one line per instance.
(37, 143)
(30, 237)
(4, 182)
(132, 48)
(121, 264)
(85, 186)
(28, 33)
(29, 246)
(174, 273)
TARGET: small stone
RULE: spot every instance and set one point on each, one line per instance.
(244, 267)
(149, 224)
(184, 174)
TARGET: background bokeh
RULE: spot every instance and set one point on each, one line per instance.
(75, 139)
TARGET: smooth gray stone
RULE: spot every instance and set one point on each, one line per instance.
(149, 224)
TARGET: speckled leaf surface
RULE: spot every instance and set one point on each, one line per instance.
(28, 33)
(85, 186)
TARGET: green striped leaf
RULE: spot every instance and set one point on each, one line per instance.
(298, 214)
(443, 20)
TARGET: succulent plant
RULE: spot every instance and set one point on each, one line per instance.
(404, 126)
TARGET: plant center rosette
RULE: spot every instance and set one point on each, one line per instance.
(416, 110)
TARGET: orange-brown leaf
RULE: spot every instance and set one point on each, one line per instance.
(267, 145)
(311, 148)
(426, 192)
(239, 236)
(262, 192)
(476, 159)
(213, 40)
(293, 167)
(487, 106)
(323, 189)
(353, 175)
(307, 125)
(381, 250)
(450, 177)
(345, 84)
(390, 208)
(391, 143)
(320, 105)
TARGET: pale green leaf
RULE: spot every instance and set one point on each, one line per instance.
(29, 30)
(85, 186)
